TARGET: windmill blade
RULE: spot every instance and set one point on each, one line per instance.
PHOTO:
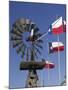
(16, 32)
(35, 54)
(38, 35)
(17, 43)
(32, 32)
(27, 54)
(37, 50)
(33, 26)
(14, 37)
(19, 27)
(28, 23)
(23, 51)
(22, 21)
(36, 29)
(19, 49)
(39, 46)
(23, 27)
(39, 41)
(27, 27)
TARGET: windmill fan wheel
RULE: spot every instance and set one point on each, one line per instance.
(22, 39)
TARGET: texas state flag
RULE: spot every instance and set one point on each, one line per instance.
(56, 27)
(55, 47)
(49, 65)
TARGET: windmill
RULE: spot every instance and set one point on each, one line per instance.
(26, 47)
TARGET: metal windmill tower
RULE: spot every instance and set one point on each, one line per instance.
(23, 35)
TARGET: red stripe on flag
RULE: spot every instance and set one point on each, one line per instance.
(60, 48)
(58, 30)
(50, 66)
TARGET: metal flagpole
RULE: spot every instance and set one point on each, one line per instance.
(43, 79)
(58, 60)
(48, 74)
(48, 67)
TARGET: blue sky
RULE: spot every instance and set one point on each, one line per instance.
(43, 15)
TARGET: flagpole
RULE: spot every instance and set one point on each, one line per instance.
(48, 75)
(43, 79)
(48, 67)
(58, 60)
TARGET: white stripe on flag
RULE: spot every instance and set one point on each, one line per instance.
(57, 23)
(55, 44)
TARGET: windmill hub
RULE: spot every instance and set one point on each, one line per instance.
(25, 37)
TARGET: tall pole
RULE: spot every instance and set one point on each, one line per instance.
(59, 71)
(48, 68)
(32, 79)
